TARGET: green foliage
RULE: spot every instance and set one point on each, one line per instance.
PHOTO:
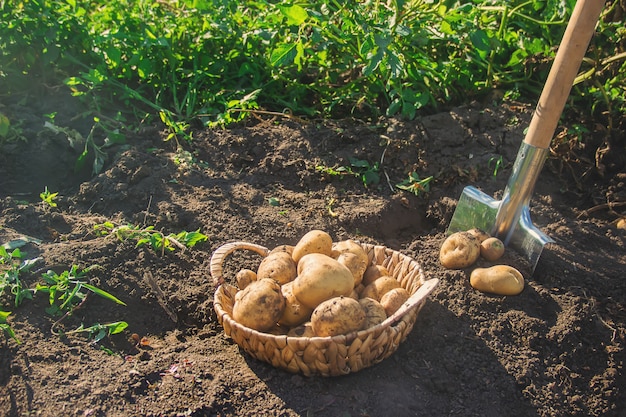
(6, 328)
(97, 332)
(415, 185)
(66, 291)
(12, 267)
(362, 169)
(192, 61)
(69, 289)
(158, 241)
(48, 198)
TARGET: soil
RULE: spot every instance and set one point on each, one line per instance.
(557, 349)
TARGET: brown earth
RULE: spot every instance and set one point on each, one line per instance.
(555, 350)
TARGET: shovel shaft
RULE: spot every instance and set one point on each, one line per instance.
(563, 72)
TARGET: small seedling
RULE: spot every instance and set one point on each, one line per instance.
(6, 327)
(48, 198)
(11, 279)
(97, 332)
(330, 202)
(367, 172)
(158, 241)
(70, 289)
(415, 185)
(273, 201)
(497, 162)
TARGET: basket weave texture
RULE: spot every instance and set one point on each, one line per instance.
(333, 355)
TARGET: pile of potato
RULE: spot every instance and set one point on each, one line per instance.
(316, 288)
(462, 249)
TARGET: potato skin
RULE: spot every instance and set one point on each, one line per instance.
(350, 246)
(320, 278)
(282, 248)
(459, 250)
(259, 305)
(479, 234)
(338, 315)
(498, 279)
(315, 241)
(491, 249)
(303, 330)
(379, 287)
(374, 312)
(393, 299)
(278, 266)
(355, 264)
(295, 312)
(373, 272)
(244, 277)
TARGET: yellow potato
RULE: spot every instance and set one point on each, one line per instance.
(492, 249)
(373, 272)
(295, 312)
(304, 330)
(315, 241)
(338, 315)
(355, 264)
(379, 287)
(479, 234)
(459, 250)
(244, 277)
(498, 279)
(283, 248)
(320, 278)
(259, 305)
(374, 312)
(352, 247)
(278, 266)
(393, 299)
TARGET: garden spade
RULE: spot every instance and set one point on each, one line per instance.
(509, 218)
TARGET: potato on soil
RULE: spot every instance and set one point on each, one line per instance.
(278, 266)
(379, 287)
(338, 315)
(303, 330)
(374, 312)
(259, 305)
(459, 250)
(315, 241)
(355, 264)
(498, 279)
(479, 234)
(283, 248)
(373, 272)
(492, 249)
(393, 299)
(295, 312)
(244, 277)
(320, 278)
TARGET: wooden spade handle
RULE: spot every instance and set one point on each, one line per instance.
(563, 72)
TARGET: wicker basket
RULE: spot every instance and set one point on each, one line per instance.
(326, 356)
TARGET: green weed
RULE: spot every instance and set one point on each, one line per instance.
(97, 332)
(146, 235)
(12, 267)
(415, 185)
(6, 328)
(69, 289)
(48, 198)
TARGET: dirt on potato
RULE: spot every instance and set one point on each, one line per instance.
(557, 349)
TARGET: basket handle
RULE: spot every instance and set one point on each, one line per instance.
(217, 259)
(418, 297)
